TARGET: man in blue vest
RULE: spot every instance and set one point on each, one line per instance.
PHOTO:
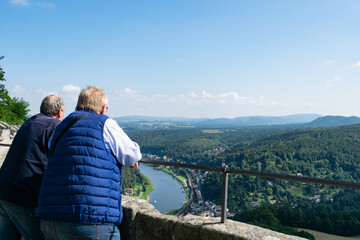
(22, 171)
(80, 195)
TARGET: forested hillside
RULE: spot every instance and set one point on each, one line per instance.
(332, 153)
(192, 145)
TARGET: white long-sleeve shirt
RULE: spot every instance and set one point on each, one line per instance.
(116, 140)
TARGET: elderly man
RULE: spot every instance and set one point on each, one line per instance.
(80, 195)
(22, 171)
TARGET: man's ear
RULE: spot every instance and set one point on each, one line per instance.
(60, 114)
(103, 110)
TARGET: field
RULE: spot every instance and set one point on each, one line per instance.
(325, 236)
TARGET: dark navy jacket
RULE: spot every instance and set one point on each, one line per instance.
(25, 163)
(82, 183)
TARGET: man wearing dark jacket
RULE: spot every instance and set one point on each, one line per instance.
(22, 172)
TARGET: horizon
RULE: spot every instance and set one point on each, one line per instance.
(308, 114)
(202, 59)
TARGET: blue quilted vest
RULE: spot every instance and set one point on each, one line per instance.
(82, 182)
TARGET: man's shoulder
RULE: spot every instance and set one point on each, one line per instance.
(111, 126)
(111, 123)
(43, 119)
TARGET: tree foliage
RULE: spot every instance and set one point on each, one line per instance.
(13, 110)
(267, 216)
(338, 223)
(331, 153)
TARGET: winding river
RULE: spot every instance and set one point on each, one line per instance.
(169, 193)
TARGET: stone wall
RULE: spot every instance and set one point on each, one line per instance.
(7, 134)
(143, 222)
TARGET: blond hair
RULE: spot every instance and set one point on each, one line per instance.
(92, 98)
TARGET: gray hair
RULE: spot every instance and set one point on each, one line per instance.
(51, 105)
(92, 98)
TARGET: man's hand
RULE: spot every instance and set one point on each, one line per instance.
(134, 166)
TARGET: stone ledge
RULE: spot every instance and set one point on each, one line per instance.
(143, 222)
(7, 134)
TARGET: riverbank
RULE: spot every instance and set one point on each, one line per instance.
(149, 188)
(183, 182)
(180, 179)
(170, 194)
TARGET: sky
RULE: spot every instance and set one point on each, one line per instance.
(186, 58)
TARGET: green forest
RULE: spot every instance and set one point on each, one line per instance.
(331, 153)
(12, 110)
(324, 153)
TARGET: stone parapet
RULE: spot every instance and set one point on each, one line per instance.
(143, 222)
(7, 134)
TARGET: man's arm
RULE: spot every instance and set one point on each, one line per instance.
(126, 151)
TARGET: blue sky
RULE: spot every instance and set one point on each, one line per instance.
(196, 58)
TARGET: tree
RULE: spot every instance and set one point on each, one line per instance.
(12, 110)
(3, 91)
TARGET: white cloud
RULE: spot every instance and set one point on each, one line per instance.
(206, 95)
(42, 4)
(128, 94)
(192, 98)
(45, 4)
(130, 91)
(355, 65)
(70, 89)
(18, 89)
(234, 98)
(331, 83)
(45, 93)
(274, 103)
(19, 2)
(191, 104)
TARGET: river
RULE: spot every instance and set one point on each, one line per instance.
(169, 193)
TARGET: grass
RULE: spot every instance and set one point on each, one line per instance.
(296, 191)
(326, 236)
(149, 188)
(180, 179)
(212, 131)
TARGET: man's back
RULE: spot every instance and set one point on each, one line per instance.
(82, 182)
(25, 163)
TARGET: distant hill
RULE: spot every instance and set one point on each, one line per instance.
(331, 121)
(259, 120)
(146, 122)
